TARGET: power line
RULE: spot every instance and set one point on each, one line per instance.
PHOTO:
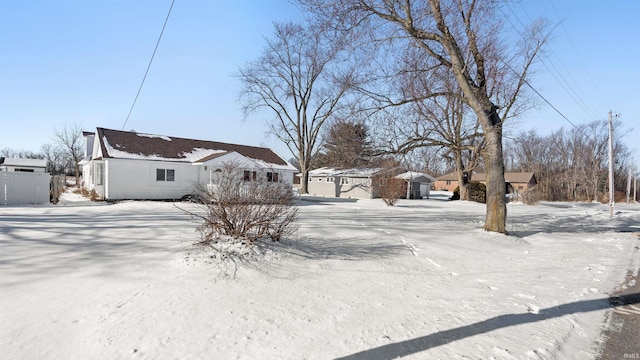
(552, 69)
(579, 129)
(575, 50)
(148, 66)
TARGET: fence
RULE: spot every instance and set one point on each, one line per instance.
(24, 188)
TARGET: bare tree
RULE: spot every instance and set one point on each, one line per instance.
(297, 79)
(69, 138)
(462, 36)
(55, 158)
(430, 160)
(442, 121)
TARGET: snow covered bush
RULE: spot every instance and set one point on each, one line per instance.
(241, 208)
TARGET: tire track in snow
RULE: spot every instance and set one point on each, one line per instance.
(627, 309)
(414, 249)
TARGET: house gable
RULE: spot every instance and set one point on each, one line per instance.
(219, 160)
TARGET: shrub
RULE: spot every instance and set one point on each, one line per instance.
(391, 190)
(477, 192)
(456, 194)
(93, 195)
(530, 196)
(242, 211)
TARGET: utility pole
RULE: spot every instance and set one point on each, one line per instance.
(611, 188)
(635, 188)
(635, 183)
(629, 185)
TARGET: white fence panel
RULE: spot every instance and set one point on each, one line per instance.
(24, 188)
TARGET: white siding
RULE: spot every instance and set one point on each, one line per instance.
(24, 188)
(135, 179)
(237, 160)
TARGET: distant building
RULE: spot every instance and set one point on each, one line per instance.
(517, 182)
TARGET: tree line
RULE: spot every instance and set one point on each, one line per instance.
(572, 164)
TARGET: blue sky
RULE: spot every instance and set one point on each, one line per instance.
(81, 61)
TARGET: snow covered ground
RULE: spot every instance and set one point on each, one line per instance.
(360, 280)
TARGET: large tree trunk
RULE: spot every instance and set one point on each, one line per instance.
(304, 171)
(463, 185)
(496, 217)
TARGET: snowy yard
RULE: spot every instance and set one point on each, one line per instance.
(123, 281)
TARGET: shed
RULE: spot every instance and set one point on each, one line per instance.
(23, 181)
(418, 184)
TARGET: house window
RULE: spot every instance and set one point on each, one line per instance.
(319, 179)
(330, 180)
(98, 177)
(23, 170)
(310, 179)
(165, 175)
(448, 182)
(344, 181)
(272, 177)
(250, 175)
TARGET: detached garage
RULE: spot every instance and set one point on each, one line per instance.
(23, 181)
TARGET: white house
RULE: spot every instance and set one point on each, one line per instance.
(23, 181)
(129, 165)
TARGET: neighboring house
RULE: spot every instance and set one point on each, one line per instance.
(23, 181)
(446, 182)
(517, 182)
(364, 183)
(418, 184)
(129, 165)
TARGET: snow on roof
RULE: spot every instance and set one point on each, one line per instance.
(420, 177)
(323, 171)
(267, 165)
(350, 172)
(193, 156)
(39, 163)
(155, 136)
(140, 146)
